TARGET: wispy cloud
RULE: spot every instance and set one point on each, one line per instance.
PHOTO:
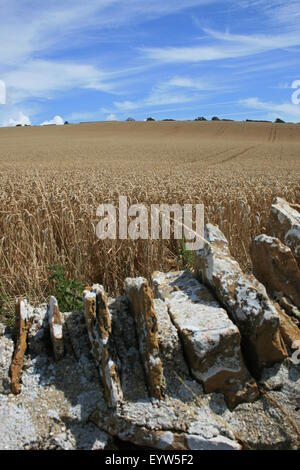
(108, 54)
(30, 27)
(228, 46)
(41, 79)
(191, 83)
(153, 101)
(32, 32)
(166, 93)
(286, 111)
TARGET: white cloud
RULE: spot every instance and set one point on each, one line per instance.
(284, 12)
(127, 105)
(192, 83)
(163, 94)
(111, 117)
(83, 116)
(42, 79)
(30, 27)
(20, 118)
(154, 99)
(229, 46)
(34, 28)
(35, 32)
(57, 120)
(285, 111)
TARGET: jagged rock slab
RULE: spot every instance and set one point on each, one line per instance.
(273, 421)
(56, 329)
(276, 268)
(176, 371)
(289, 308)
(52, 411)
(169, 439)
(59, 399)
(98, 323)
(174, 421)
(22, 325)
(284, 223)
(289, 330)
(141, 303)
(210, 340)
(132, 373)
(245, 299)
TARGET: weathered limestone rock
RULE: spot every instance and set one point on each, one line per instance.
(170, 346)
(59, 399)
(161, 439)
(141, 301)
(183, 411)
(245, 299)
(296, 207)
(211, 341)
(289, 330)
(284, 223)
(52, 411)
(56, 329)
(98, 323)
(276, 268)
(289, 308)
(22, 324)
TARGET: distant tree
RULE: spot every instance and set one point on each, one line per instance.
(256, 120)
(215, 118)
(19, 125)
(279, 121)
(66, 123)
(130, 119)
(149, 119)
(201, 119)
(168, 120)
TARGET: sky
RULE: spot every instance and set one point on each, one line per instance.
(102, 60)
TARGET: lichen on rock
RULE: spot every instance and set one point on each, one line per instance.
(141, 303)
(210, 340)
(276, 268)
(98, 323)
(56, 328)
(245, 299)
(22, 325)
(284, 223)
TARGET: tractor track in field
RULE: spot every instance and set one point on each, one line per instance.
(273, 134)
(233, 157)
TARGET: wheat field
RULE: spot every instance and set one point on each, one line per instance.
(53, 179)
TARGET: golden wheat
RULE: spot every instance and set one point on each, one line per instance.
(52, 181)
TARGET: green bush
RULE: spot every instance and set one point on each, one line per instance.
(68, 292)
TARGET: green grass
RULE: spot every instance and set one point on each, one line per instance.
(185, 256)
(68, 293)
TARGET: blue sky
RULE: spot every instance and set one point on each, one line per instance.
(109, 59)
